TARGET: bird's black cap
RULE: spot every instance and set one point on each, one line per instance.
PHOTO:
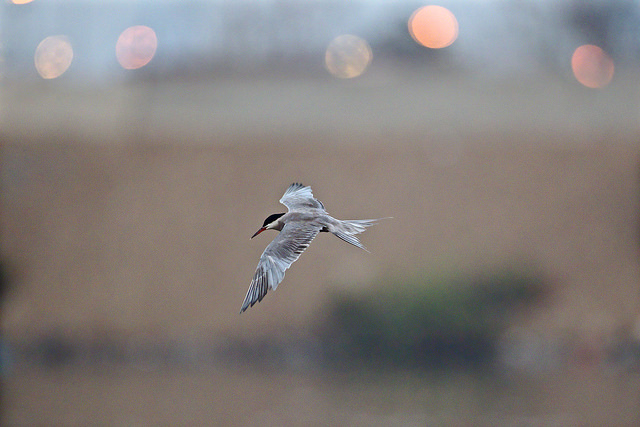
(271, 218)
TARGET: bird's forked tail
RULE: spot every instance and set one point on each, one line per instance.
(350, 227)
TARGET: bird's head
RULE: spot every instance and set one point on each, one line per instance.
(270, 223)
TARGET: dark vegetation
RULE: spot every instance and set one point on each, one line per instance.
(430, 323)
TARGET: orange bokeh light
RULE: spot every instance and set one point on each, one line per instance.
(592, 66)
(21, 1)
(433, 26)
(136, 46)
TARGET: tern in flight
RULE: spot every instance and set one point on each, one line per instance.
(305, 219)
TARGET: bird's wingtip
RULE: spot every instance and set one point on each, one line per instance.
(295, 186)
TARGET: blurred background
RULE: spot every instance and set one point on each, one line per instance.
(143, 143)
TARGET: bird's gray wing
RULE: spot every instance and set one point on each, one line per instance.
(298, 196)
(277, 257)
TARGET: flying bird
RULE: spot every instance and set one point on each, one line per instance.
(305, 219)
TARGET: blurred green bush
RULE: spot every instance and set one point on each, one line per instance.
(452, 321)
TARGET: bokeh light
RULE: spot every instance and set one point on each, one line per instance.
(21, 1)
(53, 56)
(136, 46)
(348, 56)
(592, 66)
(433, 26)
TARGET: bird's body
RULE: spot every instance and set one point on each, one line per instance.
(298, 227)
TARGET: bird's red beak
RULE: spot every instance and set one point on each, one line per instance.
(259, 231)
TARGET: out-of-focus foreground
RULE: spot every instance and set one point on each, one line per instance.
(503, 291)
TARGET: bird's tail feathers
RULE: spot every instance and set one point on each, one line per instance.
(349, 238)
(349, 228)
(357, 226)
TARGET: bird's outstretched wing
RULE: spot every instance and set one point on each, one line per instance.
(277, 257)
(298, 196)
